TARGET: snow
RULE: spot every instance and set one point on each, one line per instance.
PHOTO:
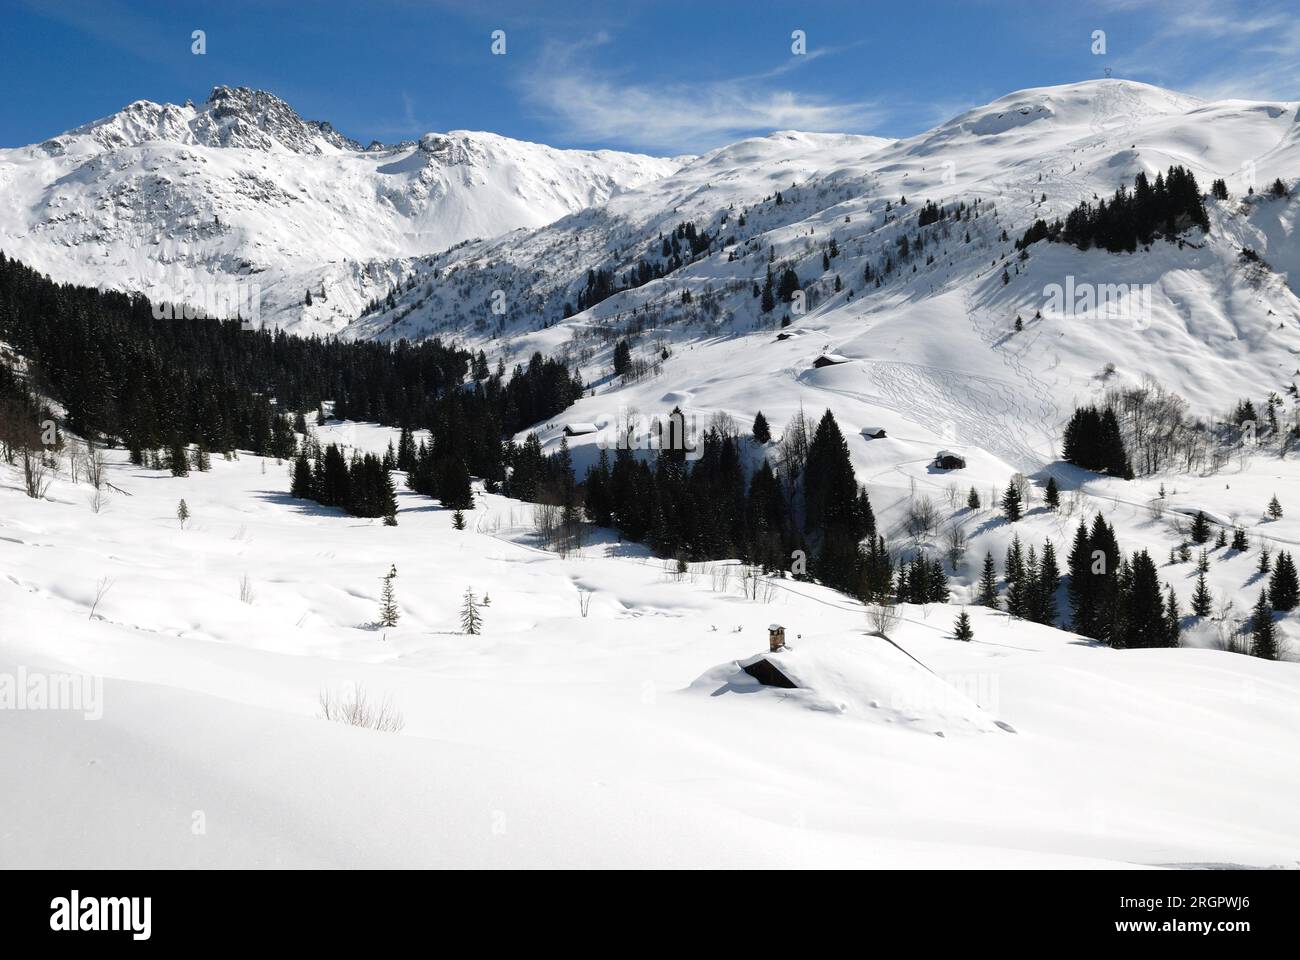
(175, 200)
(557, 739)
(629, 735)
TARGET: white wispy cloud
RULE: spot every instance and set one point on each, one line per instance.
(596, 106)
(1218, 49)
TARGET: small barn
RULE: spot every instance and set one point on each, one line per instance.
(947, 460)
(829, 360)
(580, 429)
(873, 433)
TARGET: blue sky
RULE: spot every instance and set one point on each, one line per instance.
(663, 77)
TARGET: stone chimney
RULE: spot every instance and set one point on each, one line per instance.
(776, 637)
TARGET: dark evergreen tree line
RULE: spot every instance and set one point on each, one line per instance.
(1116, 599)
(1132, 217)
(1093, 441)
(362, 485)
(125, 377)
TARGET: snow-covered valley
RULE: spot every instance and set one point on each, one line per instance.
(623, 737)
(603, 715)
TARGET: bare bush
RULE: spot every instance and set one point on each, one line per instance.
(883, 618)
(94, 466)
(584, 601)
(246, 591)
(922, 517)
(102, 586)
(36, 475)
(954, 543)
(954, 496)
(356, 709)
(755, 586)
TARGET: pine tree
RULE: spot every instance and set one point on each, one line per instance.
(178, 461)
(1203, 563)
(1283, 586)
(1011, 502)
(1263, 639)
(387, 498)
(1052, 496)
(988, 593)
(1240, 542)
(1017, 597)
(470, 621)
(762, 432)
(973, 499)
(458, 520)
(1265, 560)
(453, 487)
(962, 629)
(622, 358)
(1144, 613)
(388, 612)
(1200, 528)
(1202, 602)
(1173, 619)
(1049, 580)
(182, 513)
(1274, 509)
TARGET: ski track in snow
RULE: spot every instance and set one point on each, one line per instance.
(971, 410)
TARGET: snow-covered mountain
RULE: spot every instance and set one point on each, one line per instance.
(594, 721)
(240, 189)
(931, 334)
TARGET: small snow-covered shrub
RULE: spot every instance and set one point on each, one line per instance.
(356, 709)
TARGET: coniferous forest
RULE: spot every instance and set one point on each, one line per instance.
(1132, 217)
(126, 378)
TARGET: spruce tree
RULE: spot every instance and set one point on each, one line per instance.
(1263, 638)
(1049, 580)
(388, 612)
(178, 461)
(1052, 495)
(962, 629)
(458, 520)
(1274, 509)
(470, 620)
(973, 499)
(1200, 528)
(1202, 602)
(1144, 615)
(1283, 587)
(762, 432)
(182, 513)
(1011, 502)
(1017, 596)
(988, 593)
(1173, 619)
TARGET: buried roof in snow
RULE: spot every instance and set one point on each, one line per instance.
(767, 673)
(580, 429)
(949, 460)
(873, 433)
(829, 359)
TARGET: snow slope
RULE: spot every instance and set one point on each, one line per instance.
(171, 199)
(553, 739)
